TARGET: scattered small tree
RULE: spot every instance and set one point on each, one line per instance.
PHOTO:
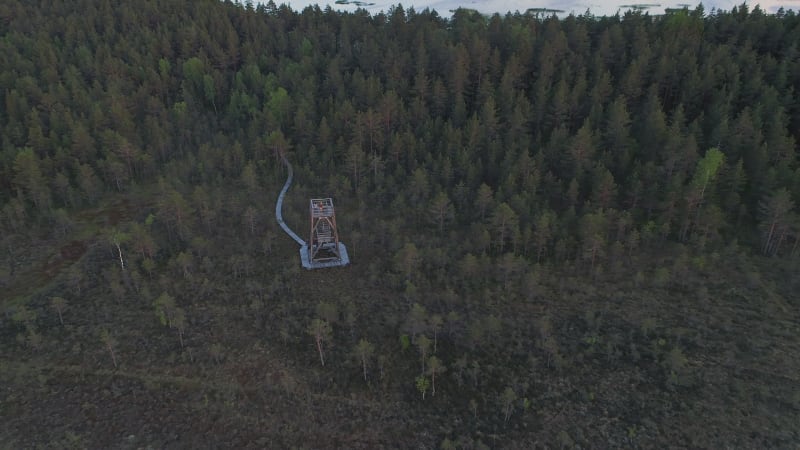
(34, 339)
(417, 319)
(27, 317)
(149, 265)
(328, 312)
(405, 342)
(184, 261)
(117, 238)
(507, 400)
(422, 385)
(109, 342)
(24, 316)
(170, 315)
(179, 323)
(775, 211)
(435, 366)
(164, 306)
(364, 350)
(441, 210)
(435, 325)
(58, 304)
(484, 199)
(216, 351)
(320, 331)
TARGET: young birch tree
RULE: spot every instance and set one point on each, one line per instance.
(109, 342)
(364, 350)
(58, 304)
(117, 238)
(435, 366)
(320, 331)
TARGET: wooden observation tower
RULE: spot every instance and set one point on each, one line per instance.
(323, 248)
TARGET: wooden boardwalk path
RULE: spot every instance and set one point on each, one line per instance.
(279, 206)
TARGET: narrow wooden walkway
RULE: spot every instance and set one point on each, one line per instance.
(279, 206)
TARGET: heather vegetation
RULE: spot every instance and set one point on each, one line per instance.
(564, 232)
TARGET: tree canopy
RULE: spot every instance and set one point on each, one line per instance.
(566, 227)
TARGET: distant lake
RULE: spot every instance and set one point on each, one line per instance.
(596, 7)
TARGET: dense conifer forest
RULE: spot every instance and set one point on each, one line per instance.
(564, 231)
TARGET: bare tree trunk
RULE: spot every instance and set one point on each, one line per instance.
(364, 364)
(121, 261)
(781, 239)
(769, 238)
(113, 358)
(319, 348)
